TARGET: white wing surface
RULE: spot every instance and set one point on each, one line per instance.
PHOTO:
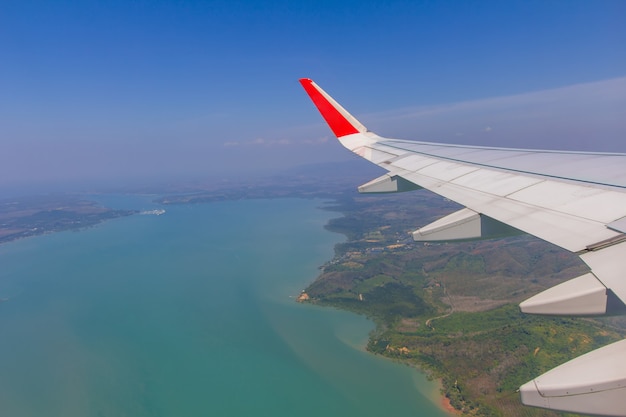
(574, 200)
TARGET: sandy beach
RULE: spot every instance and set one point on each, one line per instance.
(447, 407)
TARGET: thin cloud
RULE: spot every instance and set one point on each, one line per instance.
(589, 116)
(262, 142)
(258, 142)
(612, 91)
(318, 141)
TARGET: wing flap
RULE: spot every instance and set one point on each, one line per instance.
(464, 224)
(387, 184)
(594, 383)
(581, 296)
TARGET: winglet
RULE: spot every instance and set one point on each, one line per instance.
(339, 120)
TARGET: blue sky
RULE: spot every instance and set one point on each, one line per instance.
(135, 90)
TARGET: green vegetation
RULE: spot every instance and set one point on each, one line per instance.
(451, 309)
(483, 357)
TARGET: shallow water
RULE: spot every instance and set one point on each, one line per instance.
(191, 313)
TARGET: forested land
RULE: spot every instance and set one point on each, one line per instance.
(451, 308)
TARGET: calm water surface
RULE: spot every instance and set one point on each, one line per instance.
(189, 314)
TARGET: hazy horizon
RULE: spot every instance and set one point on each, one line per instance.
(102, 93)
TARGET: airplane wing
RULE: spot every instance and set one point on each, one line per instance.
(574, 200)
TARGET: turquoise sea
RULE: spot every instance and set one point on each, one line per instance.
(190, 313)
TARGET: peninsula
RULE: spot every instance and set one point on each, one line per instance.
(35, 215)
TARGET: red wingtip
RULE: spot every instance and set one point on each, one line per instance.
(336, 121)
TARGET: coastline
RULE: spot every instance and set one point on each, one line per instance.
(437, 395)
(437, 399)
(305, 350)
(26, 217)
(447, 407)
(444, 402)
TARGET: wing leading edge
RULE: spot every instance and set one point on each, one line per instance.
(574, 200)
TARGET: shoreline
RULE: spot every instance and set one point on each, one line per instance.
(438, 396)
(447, 407)
(445, 404)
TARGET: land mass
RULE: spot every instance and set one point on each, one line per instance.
(451, 309)
(39, 214)
(36, 215)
